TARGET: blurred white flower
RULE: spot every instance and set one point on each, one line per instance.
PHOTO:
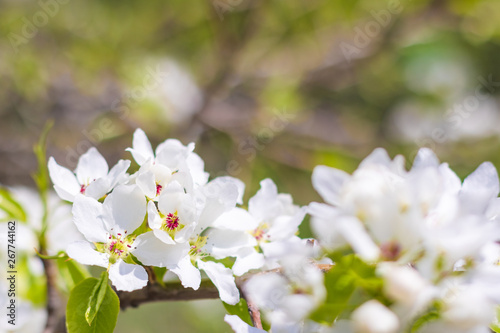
(373, 317)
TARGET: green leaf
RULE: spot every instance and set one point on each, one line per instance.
(11, 207)
(348, 283)
(34, 285)
(495, 327)
(71, 272)
(77, 271)
(240, 309)
(96, 298)
(160, 273)
(41, 177)
(424, 319)
(106, 316)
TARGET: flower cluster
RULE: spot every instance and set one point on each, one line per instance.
(411, 251)
(167, 214)
(394, 249)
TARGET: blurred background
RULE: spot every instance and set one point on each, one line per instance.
(264, 88)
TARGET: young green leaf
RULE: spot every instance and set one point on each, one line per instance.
(96, 298)
(240, 309)
(41, 177)
(105, 317)
(12, 208)
(71, 272)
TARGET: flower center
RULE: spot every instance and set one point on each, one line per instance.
(260, 232)
(83, 187)
(158, 189)
(390, 250)
(196, 246)
(171, 222)
(117, 246)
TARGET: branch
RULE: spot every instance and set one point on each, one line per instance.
(154, 292)
(54, 304)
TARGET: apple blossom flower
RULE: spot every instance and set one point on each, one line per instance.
(108, 228)
(251, 236)
(177, 241)
(91, 177)
(175, 218)
(289, 296)
(170, 161)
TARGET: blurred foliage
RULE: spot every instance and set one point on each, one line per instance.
(265, 88)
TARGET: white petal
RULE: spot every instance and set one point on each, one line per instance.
(196, 168)
(279, 249)
(485, 177)
(170, 198)
(185, 233)
(188, 274)
(239, 326)
(284, 227)
(125, 208)
(225, 243)
(267, 291)
(162, 174)
(378, 156)
(154, 219)
(328, 182)
(264, 203)
(163, 236)
(322, 210)
(223, 279)
(425, 158)
(128, 277)
(451, 181)
(238, 183)
(152, 251)
(65, 182)
(172, 152)
(91, 166)
(236, 219)
(141, 147)
(98, 188)
(146, 182)
(355, 234)
(374, 317)
(326, 231)
(220, 197)
(118, 173)
(84, 253)
(87, 216)
(479, 187)
(243, 264)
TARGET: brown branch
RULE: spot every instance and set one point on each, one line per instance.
(171, 292)
(154, 292)
(54, 304)
(254, 312)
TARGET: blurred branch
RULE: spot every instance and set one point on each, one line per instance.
(154, 292)
(55, 308)
(229, 47)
